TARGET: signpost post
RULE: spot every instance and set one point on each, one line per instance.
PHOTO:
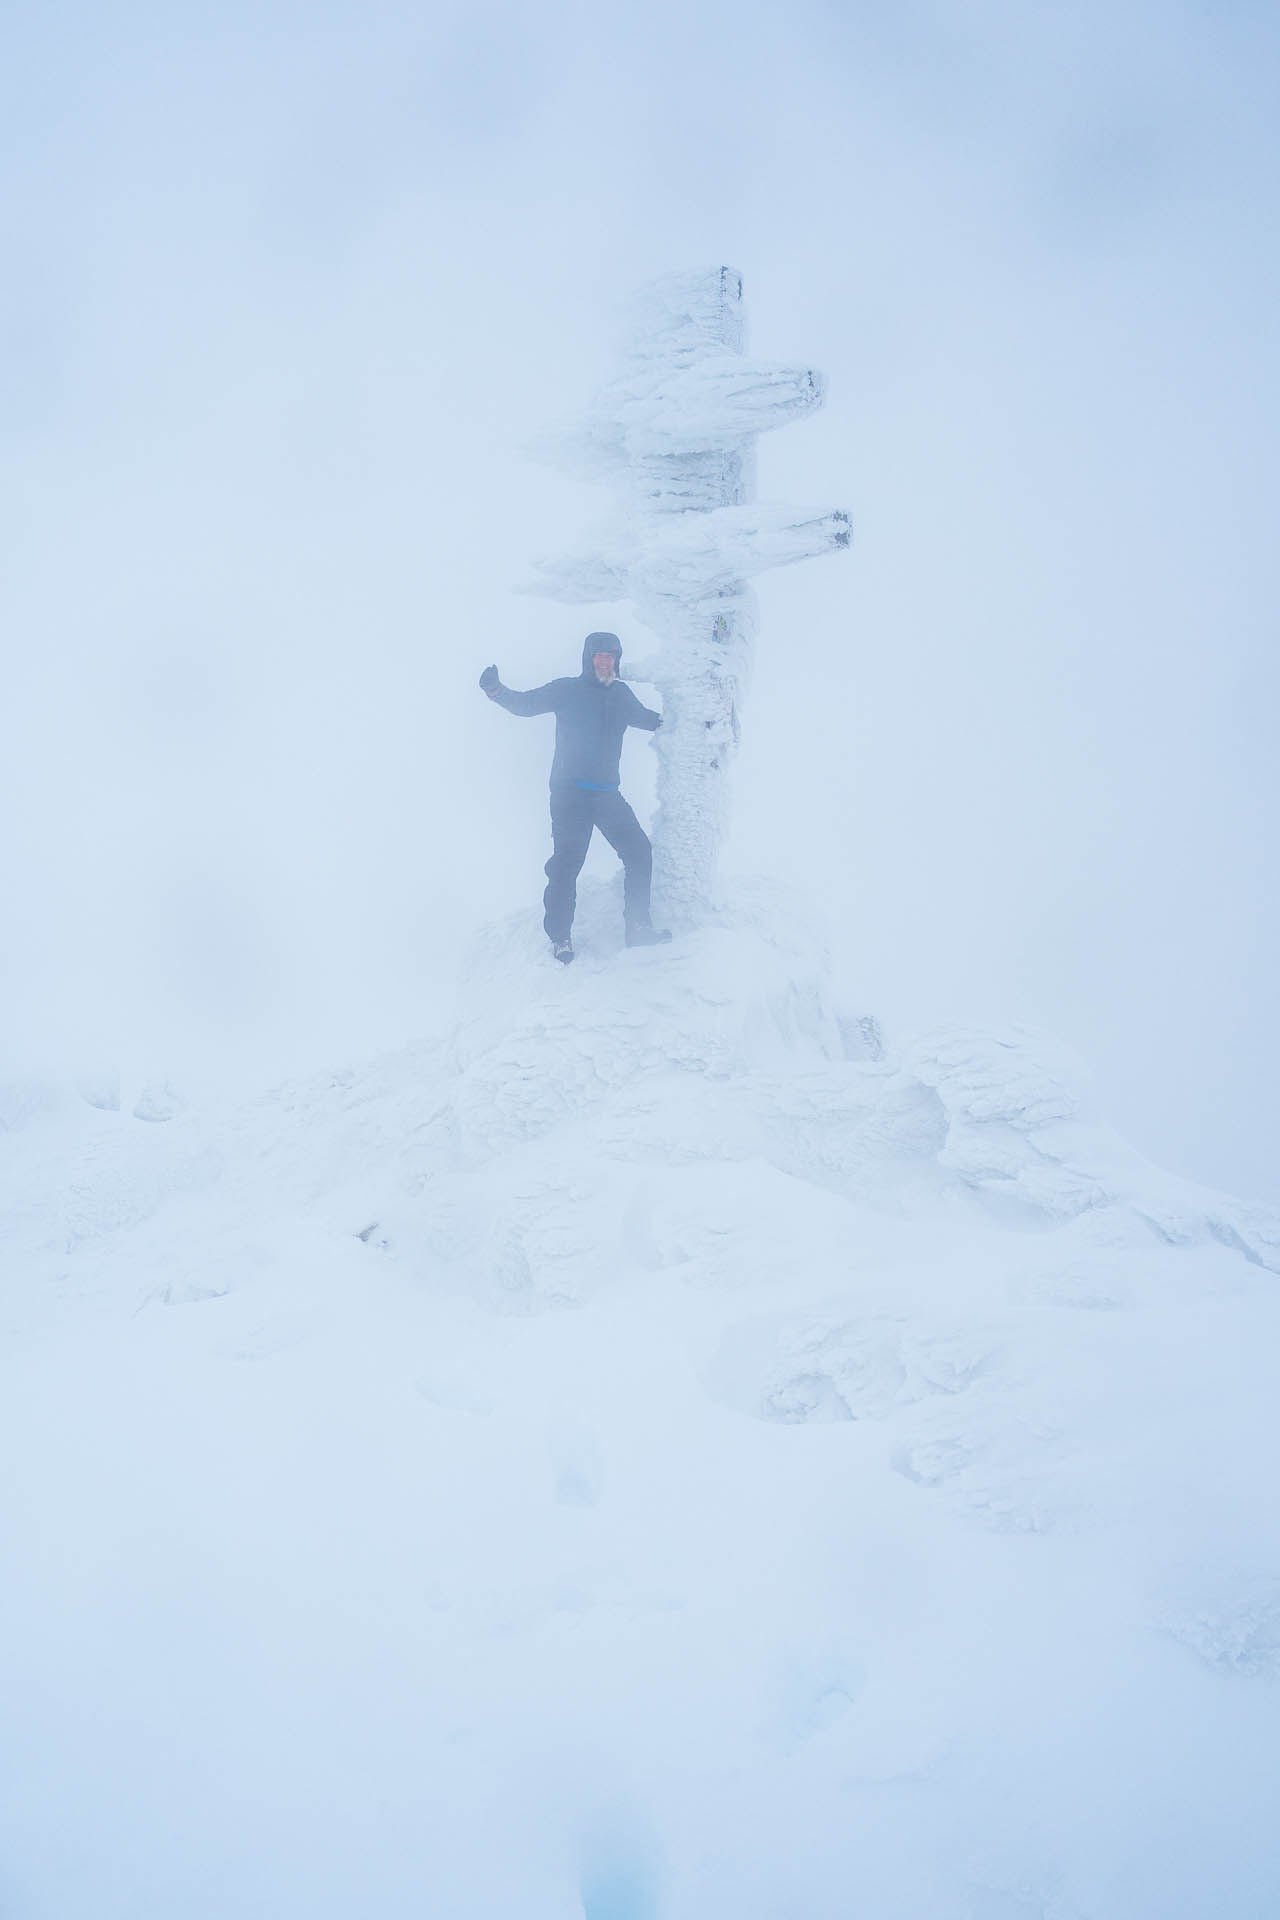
(674, 436)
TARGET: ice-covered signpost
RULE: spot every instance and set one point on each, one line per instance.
(674, 435)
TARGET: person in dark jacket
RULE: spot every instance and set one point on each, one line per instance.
(592, 714)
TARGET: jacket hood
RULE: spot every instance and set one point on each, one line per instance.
(601, 643)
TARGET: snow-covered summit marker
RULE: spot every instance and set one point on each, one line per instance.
(674, 436)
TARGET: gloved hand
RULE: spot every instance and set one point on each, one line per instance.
(489, 680)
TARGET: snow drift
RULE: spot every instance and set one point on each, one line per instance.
(660, 1448)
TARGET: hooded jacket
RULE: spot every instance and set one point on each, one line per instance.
(591, 718)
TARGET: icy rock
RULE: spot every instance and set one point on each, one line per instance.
(674, 437)
(1235, 1628)
(860, 1036)
(1020, 1131)
(158, 1101)
(537, 1047)
(101, 1090)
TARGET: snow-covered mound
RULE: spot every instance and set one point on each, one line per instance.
(664, 1450)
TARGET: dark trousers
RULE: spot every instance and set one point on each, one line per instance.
(575, 812)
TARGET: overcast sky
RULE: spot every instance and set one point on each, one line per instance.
(287, 286)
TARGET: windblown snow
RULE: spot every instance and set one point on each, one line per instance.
(664, 1450)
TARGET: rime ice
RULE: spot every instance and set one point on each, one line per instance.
(674, 437)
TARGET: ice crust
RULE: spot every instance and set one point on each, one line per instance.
(749, 1462)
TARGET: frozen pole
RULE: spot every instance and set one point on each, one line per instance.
(674, 435)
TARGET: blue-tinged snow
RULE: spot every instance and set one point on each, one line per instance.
(662, 1449)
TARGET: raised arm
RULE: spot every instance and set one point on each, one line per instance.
(539, 700)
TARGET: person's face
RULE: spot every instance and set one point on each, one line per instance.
(605, 666)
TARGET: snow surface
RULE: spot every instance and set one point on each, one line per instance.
(661, 1450)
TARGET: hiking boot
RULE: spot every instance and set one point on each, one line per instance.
(562, 950)
(647, 936)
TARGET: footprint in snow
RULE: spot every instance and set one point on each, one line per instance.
(575, 1462)
(811, 1696)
